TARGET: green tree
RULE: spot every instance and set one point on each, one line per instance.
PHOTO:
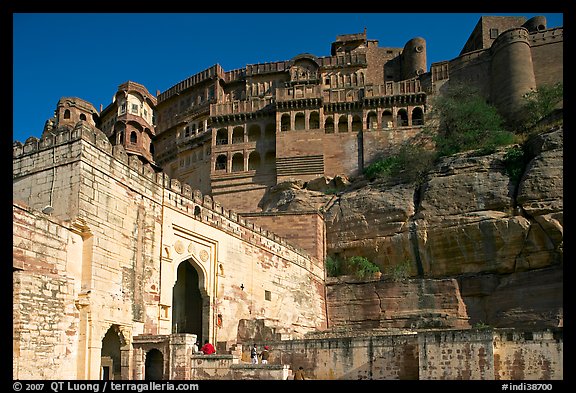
(467, 122)
(409, 164)
(541, 103)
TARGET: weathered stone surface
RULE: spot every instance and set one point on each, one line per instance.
(541, 190)
(389, 304)
(468, 219)
(531, 299)
(293, 196)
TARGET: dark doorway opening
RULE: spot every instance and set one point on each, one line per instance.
(187, 301)
(154, 367)
(110, 354)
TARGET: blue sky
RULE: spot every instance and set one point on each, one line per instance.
(87, 55)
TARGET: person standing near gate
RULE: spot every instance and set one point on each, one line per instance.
(254, 354)
(265, 354)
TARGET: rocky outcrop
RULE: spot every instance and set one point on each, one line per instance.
(468, 221)
(380, 304)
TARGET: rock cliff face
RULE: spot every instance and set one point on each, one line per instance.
(501, 242)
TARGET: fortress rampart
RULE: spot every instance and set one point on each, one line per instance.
(139, 231)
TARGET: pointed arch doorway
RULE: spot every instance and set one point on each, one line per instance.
(187, 301)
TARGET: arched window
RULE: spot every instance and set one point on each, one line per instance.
(299, 122)
(387, 119)
(221, 162)
(417, 117)
(343, 124)
(82, 116)
(254, 133)
(133, 137)
(372, 120)
(285, 122)
(253, 161)
(67, 114)
(356, 123)
(222, 136)
(237, 162)
(314, 121)
(238, 135)
(402, 118)
(329, 126)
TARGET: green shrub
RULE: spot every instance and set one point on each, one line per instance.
(541, 103)
(467, 122)
(399, 272)
(409, 164)
(362, 267)
(515, 162)
(358, 266)
(481, 325)
(332, 266)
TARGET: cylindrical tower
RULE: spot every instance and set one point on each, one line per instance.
(414, 58)
(537, 23)
(512, 72)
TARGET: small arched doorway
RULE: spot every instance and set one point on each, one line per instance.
(154, 366)
(187, 301)
(110, 355)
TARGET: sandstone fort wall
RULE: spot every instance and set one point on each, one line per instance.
(138, 226)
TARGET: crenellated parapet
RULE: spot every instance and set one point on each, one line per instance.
(546, 36)
(510, 36)
(178, 196)
(203, 208)
(62, 136)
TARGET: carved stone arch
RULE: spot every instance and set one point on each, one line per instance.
(192, 297)
(115, 358)
(198, 265)
(304, 68)
(121, 332)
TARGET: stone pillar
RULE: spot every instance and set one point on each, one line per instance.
(138, 371)
(181, 355)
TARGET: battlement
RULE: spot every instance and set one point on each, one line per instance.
(547, 36)
(264, 68)
(181, 197)
(215, 70)
(510, 36)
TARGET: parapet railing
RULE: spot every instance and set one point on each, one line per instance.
(235, 107)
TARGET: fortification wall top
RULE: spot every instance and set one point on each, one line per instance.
(181, 197)
(215, 70)
(546, 36)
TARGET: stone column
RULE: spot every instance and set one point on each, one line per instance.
(181, 355)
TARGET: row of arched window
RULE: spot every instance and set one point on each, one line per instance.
(67, 115)
(237, 134)
(133, 140)
(237, 163)
(341, 124)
